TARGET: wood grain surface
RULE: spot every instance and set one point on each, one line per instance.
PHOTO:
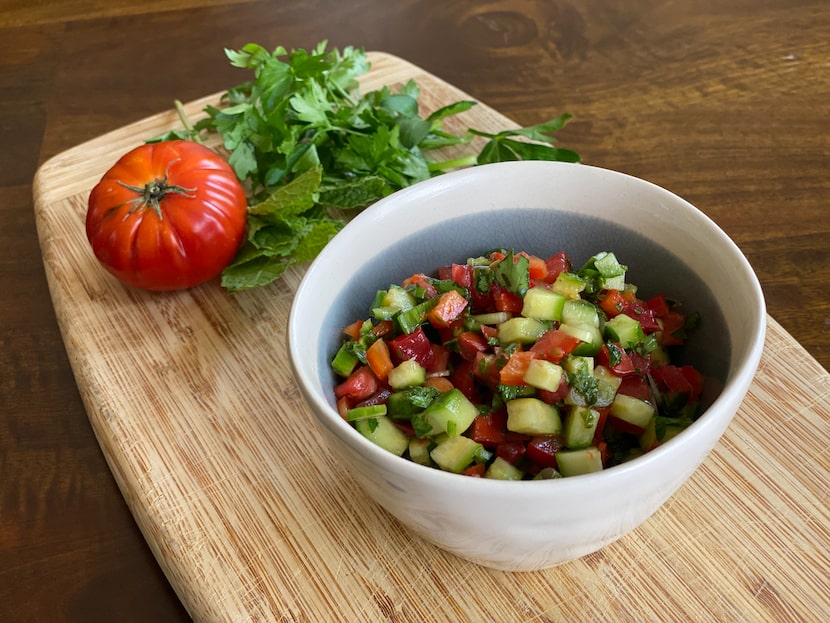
(725, 102)
(191, 398)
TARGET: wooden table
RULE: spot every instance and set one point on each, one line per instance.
(725, 103)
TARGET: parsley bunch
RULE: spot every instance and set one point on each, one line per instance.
(311, 149)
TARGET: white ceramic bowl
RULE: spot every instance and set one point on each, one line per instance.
(668, 245)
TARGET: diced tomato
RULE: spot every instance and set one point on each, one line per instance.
(554, 345)
(537, 267)
(542, 449)
(462, 275)
(673, 380)
(476, 470)
(343, 406)
(658, 305)
(504, 300)
(441, 383)
(486, 369)
(636, 386)
(695, 379)
(598, 432)
(511, 451)
(361, 384)
(623, 426)
(497, 256)
(470, 344)
(384, 327)
(671, 323)
(489, 430)
(415, 345)
(422, 281)
(447, 309)
(612, 303)
(559, 263)
(641, 363)
(353, 330)
(618, 361)
(489, 332)
(440, 358)
(462, 378)
(604, 451)
(553, 398)
(379, 359)
(514, 370)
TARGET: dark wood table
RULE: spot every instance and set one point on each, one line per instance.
(726, 103)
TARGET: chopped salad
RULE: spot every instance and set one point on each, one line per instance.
(513, 366)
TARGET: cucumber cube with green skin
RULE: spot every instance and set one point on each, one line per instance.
(344, 362)
(632, 410)
(397, 297)
(543, 374)
(500, 469)
(590, 338)
(450, 413)
(568, 284)
(521, 330)
(607, 385)
(543, 304)
(453, 454)
(531, 416)
(576, 462)
(419, 451)
(382, 431)
(363, 413)
(406, 374)
(580, 427)
(578, 364)
(580, 313)
(624, 330)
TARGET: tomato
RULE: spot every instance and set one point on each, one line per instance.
(167, 216)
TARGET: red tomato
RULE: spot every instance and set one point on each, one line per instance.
(167, 216)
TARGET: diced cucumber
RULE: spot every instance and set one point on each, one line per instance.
(568, 284)
(624, 330)
(607, 385)
(612, 273)
(450, 413)
(402, 405)
(521, 330)
(543, 304)
(412, 318)
(344, 361)
(632, 410)
(500, 469)
(383, 432)
(406, 374)
(579, 365)
(590, 338)
(363, 413)
(492, 318)
(582, 461)
(580, 313)
(398, 298)
(531, 416)
(419, 451)
(607, 264)
(453, 454)
(547, 473)
(648, 438)
(543, 374)
(580, 426)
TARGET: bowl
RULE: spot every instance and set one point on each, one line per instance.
(669, 247)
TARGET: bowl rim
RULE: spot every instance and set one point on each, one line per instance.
(729, 396)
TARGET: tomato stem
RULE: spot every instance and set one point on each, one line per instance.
(154, 192)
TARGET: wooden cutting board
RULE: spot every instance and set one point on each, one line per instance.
(193, 404)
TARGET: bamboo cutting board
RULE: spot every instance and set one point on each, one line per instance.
(192, 401)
